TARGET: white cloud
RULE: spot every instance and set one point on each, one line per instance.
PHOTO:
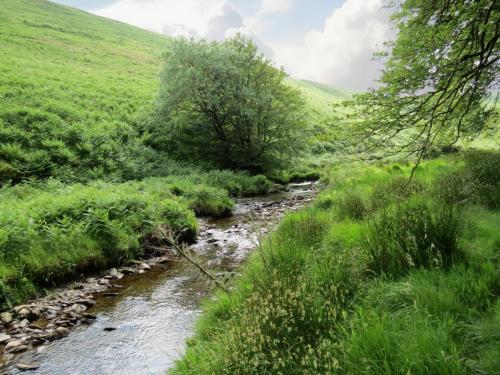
(341, 53)
(197, 18)
(257, 22)
(210, 19)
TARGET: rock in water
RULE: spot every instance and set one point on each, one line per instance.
(27, 367)
(143, 267)
(61, 332)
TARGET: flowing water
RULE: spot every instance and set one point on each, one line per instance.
(144, 329)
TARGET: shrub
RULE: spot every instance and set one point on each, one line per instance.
(413, 235)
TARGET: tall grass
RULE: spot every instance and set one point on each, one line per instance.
(415, 234)
(369, 280)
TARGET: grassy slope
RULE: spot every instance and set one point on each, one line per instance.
(71, 85)
(369, 280)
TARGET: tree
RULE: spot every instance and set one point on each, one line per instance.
(226, 103)
(439, 78)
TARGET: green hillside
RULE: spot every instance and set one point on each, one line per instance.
(71, 85)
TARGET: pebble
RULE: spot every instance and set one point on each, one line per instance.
(61, 332)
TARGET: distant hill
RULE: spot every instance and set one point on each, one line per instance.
(327, 89)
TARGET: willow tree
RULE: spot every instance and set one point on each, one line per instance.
(226, 103)
(440, 77)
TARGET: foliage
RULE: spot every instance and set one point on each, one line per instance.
(226, 103)
(308, 301)
(438, 79)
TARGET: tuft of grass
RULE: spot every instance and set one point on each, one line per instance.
(415, 234)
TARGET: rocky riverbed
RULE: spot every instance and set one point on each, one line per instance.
(28, 332)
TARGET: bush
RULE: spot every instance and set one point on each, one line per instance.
(413, 235)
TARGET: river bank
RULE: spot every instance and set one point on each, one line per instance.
(378, 275)
(143, 312)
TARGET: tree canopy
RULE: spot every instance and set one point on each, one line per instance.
(226, 103)
(440, 77)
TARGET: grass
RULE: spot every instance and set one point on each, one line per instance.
(50, 230)
(370, 279)
(71, 88)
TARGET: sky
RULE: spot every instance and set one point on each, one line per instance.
(329, 41)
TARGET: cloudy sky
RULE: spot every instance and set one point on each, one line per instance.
(330, 41)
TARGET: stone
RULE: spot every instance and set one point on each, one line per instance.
(4, 338)
(19, 308)
(89, 316)
(143, 267)
(13, 344)
(6, 317)
(103, 282)
(109, 329)
(114, 274)
(85, 302)
(127, 271)
(27, 367)
(61, 332)
(19, 349)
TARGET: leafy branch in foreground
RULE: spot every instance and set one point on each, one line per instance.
(439, 80)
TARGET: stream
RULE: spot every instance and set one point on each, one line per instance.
(144, 326)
